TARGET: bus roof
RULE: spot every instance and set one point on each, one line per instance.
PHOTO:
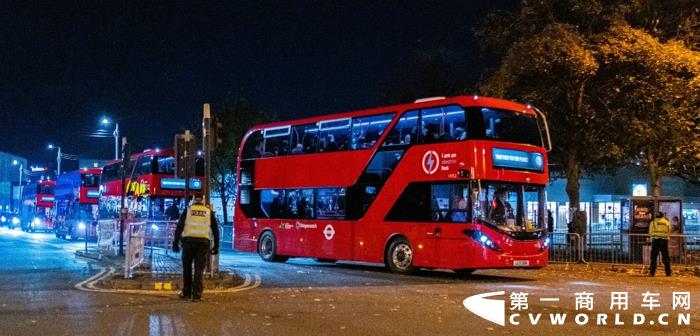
(419, 104)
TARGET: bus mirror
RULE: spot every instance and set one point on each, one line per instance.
(546, 128)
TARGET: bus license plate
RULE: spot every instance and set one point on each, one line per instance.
(521, 263)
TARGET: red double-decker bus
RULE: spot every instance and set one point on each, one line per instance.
(151, 187)
(37, 206)
(76, 197)
(454, 183)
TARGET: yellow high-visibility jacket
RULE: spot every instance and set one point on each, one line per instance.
(659, 228)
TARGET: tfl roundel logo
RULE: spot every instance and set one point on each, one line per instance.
(431, 161)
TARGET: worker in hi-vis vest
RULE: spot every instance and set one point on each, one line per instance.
(197, 224)
(659, 230)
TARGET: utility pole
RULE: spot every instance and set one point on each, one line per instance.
(208, 152)
(116, 141)
(123, 211)
(58, 162)
(186, 155)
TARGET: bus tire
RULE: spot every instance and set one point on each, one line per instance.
(464, 272)
(267, 248)
(399, 256)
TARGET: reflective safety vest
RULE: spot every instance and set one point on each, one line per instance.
(197, 222)
(659, 228)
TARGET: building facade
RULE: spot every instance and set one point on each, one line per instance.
(605, 199)
(9, 179)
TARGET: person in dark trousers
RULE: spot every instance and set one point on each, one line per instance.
(172, 212)
(659, 230)
(194, 228)
(550, 222)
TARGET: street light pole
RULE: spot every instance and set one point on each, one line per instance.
(116, 141)
(58, 162)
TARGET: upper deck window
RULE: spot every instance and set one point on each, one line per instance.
(334, 135)
(89, 180)
(276, 141)
(440, 124)
(304, 139)
(508, 126)
(367, 130)
(165, 165)
(405, 130)
(253, 147)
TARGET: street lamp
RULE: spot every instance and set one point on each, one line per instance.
(106, 121)
(21, 168)
(58, 158)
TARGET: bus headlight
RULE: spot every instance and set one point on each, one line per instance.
(3, 219)
(545, 244)
(154, 227)
(36, 221)
(483, 239)
(81, 226)
(15, 220)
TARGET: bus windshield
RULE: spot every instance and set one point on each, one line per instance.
(508, 126)
(510, 207)
(89, 180)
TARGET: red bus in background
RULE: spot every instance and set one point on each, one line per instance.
(76, 197)
(36, 212)
(151, 187)
(454, 183)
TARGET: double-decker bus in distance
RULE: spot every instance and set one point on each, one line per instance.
(455, 183)
(151, 187)
(36, 213)
(77, 195)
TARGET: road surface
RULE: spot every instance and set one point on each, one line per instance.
(302, 297)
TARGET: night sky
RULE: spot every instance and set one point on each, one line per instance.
(63, 67)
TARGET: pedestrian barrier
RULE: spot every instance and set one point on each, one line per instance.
(148, 247)
(621, 248)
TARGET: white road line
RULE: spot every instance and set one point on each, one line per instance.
(88, 285)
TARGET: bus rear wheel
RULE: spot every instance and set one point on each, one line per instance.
(399, 256)
(267, 248)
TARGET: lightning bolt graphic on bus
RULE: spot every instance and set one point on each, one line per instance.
(430, 162)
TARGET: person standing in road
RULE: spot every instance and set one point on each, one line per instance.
(659, 230)
(195, 227)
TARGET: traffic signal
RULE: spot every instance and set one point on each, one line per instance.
(185, 144)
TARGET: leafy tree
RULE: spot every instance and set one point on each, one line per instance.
(594, 66)
(548, 59)
(237, 116)
(652, 90)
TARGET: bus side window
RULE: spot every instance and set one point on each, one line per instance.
(334, 135)
(405, 131)
(252, 148)
(304, 139)
(440, 124)
(367, 130)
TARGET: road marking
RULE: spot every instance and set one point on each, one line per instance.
(89, 285)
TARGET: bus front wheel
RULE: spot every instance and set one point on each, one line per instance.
(399, 256)
(267, 248)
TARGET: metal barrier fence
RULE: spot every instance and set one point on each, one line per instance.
(621, 248)
(148, 247)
